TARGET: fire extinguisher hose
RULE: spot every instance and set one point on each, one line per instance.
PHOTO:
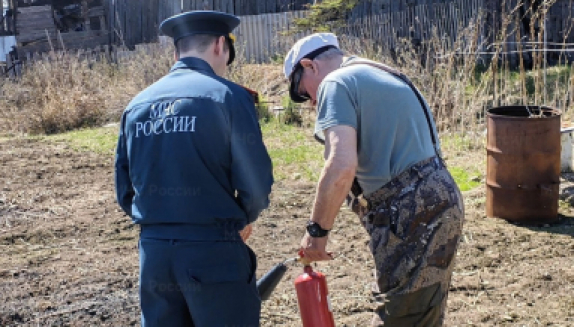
(267, 284)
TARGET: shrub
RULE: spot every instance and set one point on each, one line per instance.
(262, 108)
(291, 115)
(58, 93)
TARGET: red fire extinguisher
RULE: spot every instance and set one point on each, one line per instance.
(313, 298)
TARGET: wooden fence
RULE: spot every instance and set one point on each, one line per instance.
(137, 21)
(263, 38)
(417, 23)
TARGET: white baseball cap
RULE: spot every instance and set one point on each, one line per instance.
(305, 46)
(308, 47)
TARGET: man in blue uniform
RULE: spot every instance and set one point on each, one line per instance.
(193, 172)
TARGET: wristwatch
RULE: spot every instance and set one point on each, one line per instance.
(315, 230)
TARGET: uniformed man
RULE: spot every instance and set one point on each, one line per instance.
(380, 144)
(193, 172)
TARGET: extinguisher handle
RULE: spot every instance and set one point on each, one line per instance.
(302, 259)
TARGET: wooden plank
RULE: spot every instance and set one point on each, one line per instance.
(97, 11)
(33, 28)
(45, 16)
(266, 36)
(153, 21)
(256, 37)
(186, 5)
(120, 22)
(146, 33)
(246, 39)
(23, 22)
(160, 12)
(271, 23)
(111, 16)
(35, 9)
(240, 35)
(34, 36)
(247, 7)
(107, 11)
(132, 26)
(449, 23)
(237, 7)
(32, 23)
(251, 39)
(127, 23)
(227, 6)
(138, 31)
(208, 4)
(71, 43)
(281, 26)
(261, 7)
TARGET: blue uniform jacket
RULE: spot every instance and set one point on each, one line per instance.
(190, 151)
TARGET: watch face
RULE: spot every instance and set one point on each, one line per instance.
(314, 229)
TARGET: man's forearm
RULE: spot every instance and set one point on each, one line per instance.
(334, 185)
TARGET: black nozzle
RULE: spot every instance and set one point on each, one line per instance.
(267, 283)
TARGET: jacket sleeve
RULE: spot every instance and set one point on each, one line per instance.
(124, 189)
(251, 167)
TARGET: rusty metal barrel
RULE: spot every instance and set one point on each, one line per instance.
(523, 163)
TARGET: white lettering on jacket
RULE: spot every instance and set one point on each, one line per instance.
(164, 119)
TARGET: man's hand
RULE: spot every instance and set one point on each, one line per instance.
(314, 248)
(246, 232)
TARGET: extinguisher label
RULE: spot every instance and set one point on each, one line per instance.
(329, 304)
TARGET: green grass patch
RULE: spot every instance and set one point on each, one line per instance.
(100, 140)
(464, 180)
(295, 153)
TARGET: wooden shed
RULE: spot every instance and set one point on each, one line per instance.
(44, 25)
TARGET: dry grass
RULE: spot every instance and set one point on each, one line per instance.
(64, 92)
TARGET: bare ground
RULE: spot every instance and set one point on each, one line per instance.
(70, 256)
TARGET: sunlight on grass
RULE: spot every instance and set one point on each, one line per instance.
(464, 180)
(294, 151)
(100, 140)
(295, 154)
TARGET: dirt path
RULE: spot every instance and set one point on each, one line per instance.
(70, 256)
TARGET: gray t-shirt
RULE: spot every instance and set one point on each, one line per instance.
(392, 130)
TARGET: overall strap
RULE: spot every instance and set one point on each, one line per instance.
(405, 79)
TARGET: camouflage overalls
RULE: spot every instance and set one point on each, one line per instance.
(415, 222)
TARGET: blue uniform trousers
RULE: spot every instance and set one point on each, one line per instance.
(198, 283)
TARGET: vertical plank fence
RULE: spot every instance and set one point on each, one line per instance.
(136, 21)
(263, 38)
(416, 23)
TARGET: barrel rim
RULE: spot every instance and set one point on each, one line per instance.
(555, 113)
